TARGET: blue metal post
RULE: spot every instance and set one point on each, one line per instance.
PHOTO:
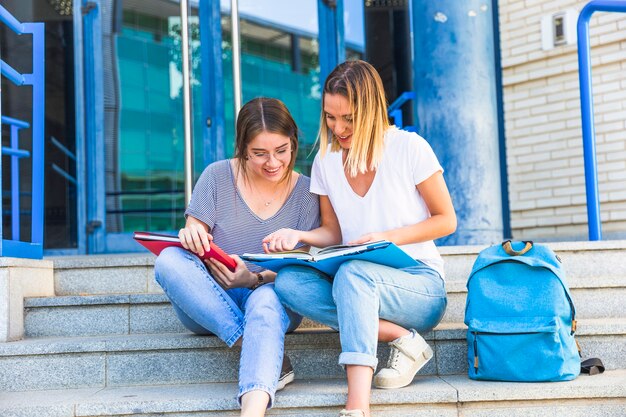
(397, 118)
(15, 185)
(456, 109)
(79, 97)
(586, 108)
(332, 49)
(504, 176)
(395, 109)
(39, 105)
(212, 81)
(1, 186)
(94, 129)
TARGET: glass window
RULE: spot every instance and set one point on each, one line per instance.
(280, 59)
(145, 154)
(279, 64)
(144, 138)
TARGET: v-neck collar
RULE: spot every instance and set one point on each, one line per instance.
(243, 201)
(344, 176)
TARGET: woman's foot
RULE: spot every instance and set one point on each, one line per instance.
(408, 355)
(351, 413)
(286, 374)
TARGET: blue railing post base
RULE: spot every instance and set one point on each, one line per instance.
(17, 249)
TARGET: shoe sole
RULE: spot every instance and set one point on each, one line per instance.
(284, 380)
(426, 355)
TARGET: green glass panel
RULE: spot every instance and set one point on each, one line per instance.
(151, 129)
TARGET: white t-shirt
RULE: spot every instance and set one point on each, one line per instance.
(392, 200)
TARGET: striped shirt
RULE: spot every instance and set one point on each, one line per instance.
(235, 228)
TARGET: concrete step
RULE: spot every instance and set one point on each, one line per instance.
(133, 273)
(104, 274)
(594, 298)
(94, 315)
(109, 361)
(445, 396)
(581, 260)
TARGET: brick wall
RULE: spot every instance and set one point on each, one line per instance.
(543, 123)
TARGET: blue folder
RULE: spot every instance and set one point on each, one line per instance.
(383, 253)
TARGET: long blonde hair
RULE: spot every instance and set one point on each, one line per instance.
(361, 85)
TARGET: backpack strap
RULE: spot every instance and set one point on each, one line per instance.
(591, 366)
(508, 248)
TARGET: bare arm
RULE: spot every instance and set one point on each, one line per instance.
(442, 220)
(329, 233)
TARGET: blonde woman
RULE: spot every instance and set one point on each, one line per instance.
(238, 202)
(375, 182)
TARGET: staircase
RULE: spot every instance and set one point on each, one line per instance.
(109, 344)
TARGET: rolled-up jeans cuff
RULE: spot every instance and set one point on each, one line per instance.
(235, 336)
(256, 387)
(355, 358)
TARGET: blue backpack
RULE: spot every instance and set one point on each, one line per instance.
(520, 316)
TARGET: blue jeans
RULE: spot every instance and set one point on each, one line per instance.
(204, 308)
(359, 294)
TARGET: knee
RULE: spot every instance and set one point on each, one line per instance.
(352, 274)
(286, 284)
(264, 302)
(265, 295)
(169, 263)
(267, 304)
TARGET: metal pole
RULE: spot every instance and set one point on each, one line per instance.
(234, 35)
(589, 136)
(184, 34)
(79, 127)
(594, 218)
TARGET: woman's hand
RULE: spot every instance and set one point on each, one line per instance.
(241, 278)
(195, 236)
(368, 237)
(281, 240)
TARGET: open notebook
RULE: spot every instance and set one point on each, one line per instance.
(330, 258)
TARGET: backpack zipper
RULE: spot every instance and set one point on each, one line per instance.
(475, 352)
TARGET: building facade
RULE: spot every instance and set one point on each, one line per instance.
(114, 120)
(543, 124)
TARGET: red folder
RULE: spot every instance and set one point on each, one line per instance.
(156, 242)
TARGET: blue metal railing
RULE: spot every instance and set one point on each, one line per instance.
(70, 155)
(34, 247)
(395, 108)
(15, 154)
(586, 108)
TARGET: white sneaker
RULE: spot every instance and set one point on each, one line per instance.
(286, 374)
(408, 355)
(351, 413)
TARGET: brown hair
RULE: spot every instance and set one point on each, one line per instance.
(260, 115)
(361, 85)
